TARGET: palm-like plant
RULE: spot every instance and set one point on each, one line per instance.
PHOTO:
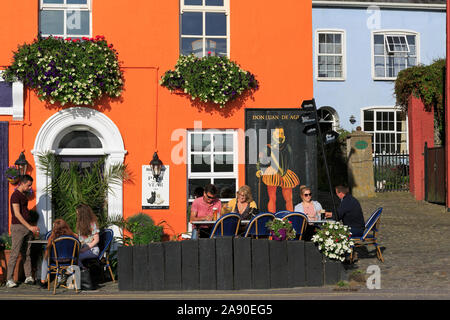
(73, 185)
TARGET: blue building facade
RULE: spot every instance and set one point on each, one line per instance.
(359, 48)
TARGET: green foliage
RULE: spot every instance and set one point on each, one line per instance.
(142, 229)
(73, 185)
(210, 79)
(68, 71)
(5, 241)
(12, 173)
(427, 84)
(281, 229)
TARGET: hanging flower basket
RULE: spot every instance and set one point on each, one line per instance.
(210, 79)
(12, 174)
(68, 70)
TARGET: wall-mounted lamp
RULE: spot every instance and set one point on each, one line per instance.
(352, 119)
(22, 164)
(156, 165)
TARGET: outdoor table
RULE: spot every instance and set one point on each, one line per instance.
(320, 222)
(41, 242)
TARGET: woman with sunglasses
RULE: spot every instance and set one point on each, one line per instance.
(308, 206)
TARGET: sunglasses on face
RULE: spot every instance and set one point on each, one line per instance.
(307, 194)
(210, 197)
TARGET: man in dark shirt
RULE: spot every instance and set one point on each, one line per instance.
(349, 211)
(21, 231)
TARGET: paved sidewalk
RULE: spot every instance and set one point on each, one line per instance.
(414, 236)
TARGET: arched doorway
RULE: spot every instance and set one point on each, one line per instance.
(78, 132)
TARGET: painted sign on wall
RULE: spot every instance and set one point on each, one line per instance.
(280, 157)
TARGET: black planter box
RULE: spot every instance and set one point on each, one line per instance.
(225, 264)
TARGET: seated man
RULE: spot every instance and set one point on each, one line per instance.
(349, 211)
(203, 208)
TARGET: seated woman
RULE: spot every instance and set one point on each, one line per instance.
(242, 204)
(88, 233)
(60, 228)
(311, 208)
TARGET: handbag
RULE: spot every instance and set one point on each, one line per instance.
(86, 280)
(250, 214)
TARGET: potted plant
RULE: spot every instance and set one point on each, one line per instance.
(12, 174)
(333, 240)
(281, 229)
(5, 250)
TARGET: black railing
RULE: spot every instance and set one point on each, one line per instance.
(391, 172)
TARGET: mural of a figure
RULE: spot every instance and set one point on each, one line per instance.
(274, 169)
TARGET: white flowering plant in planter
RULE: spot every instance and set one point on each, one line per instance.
(75, 71)
(214, 79)
(333, 240)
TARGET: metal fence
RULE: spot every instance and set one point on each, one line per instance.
(391, 172)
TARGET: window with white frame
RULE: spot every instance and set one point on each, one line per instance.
(393, 52)
(212, 158)
(388, 128)
(204, 27)
(11, 98)
(65, 18)
(330, 55)
(328, 118)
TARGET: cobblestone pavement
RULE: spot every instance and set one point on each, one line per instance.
(415, 242)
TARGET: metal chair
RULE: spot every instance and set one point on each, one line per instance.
(106, 237)
(63, 253)
(282, 213)
(226, 225)
(299, 221)
(257, 225)
(372, 226)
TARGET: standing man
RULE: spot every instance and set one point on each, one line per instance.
(204, 208)
(21, 230)
(349, 211)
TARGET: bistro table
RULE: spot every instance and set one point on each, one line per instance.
(41, 242)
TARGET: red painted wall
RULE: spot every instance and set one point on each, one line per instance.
(421, 130)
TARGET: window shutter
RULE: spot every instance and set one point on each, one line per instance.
(4, 155)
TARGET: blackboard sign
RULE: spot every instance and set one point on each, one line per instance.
(279, 157)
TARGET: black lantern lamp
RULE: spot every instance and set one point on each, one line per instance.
(22, 164)
(352, 119)
(156, 165)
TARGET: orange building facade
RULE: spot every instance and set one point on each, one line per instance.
(272, 42)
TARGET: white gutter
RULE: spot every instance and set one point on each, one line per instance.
(387, 5)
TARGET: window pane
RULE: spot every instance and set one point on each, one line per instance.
(226, 187)
(216, 24)
(5, 94)
(77, 22)
(193, 184)
(223, 163)
(223, 142)
(193, 2)
(80, 139)
(368, 115)
(76, 1)
(217, 47)
(214, 2)
(200, 142)
(54, 1)
(51, 22)
(200, 163)
(191, 23)
(192, 45)
(368, 126)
